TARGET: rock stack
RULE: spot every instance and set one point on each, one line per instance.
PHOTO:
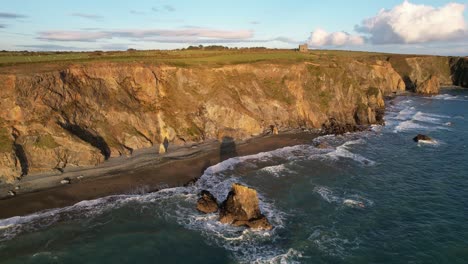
(241, 208)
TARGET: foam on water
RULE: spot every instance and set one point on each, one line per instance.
(277, 170)
(409, 119)
(343, 151)
(409, 125)
(331, 243)
(349, 200)
(448, 97)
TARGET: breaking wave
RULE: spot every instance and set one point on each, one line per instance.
(405, 118)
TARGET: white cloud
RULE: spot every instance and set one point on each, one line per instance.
(412, 23)
(195, 33)
(321, 37)
(84, 36)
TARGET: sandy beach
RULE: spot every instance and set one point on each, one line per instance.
(144, 171)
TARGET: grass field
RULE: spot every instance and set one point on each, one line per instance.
(173, 57)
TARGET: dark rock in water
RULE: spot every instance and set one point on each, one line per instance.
(207, 203)
(421, 137)
(241, 209)
(332, 126)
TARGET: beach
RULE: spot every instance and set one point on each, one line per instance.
(144, 171)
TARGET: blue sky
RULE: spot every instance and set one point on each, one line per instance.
(430, 27)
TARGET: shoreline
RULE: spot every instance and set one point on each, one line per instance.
(143, 172)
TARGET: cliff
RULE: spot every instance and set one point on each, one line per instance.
(82, 114)
(459, 68)
(423, 74)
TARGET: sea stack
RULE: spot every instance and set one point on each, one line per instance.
(207, 203)
(241, 208)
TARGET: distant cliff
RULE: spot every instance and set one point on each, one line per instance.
(81, 115)
(459, 68)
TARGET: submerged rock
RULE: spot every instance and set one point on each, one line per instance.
(241, 208)
(207, 203)
(420, 137)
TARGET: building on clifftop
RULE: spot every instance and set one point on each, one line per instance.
(304, 48)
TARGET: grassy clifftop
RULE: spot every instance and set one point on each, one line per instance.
(174, 57)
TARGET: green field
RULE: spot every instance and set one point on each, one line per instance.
(174, 57)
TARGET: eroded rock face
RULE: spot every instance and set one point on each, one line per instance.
(207, 203)
(82, 115)
(241, 208)
(430, 86)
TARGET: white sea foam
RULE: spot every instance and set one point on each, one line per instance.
(406, 113)
(349, 200)
(343, 151)
(330, 242)
(448, 97)
(327, 194)
(427, 118)
(291, 257)
(277, 170)
(409, 125)
(432, 142)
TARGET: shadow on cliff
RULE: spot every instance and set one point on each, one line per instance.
(22, 158)
(227, 149)
(90, 137)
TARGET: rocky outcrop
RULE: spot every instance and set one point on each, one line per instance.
(421, 137)
(207, 203)
(430, 86)
(82, 115)
(241, 208)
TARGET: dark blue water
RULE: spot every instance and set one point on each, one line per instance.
(372, 197)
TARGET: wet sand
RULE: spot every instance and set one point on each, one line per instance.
(143, 172)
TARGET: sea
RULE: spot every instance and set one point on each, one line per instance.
(370, 197)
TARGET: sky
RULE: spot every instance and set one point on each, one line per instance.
(398, 26)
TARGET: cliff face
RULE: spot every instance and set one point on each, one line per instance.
(84, 114)
(420, 72)
(459, 69)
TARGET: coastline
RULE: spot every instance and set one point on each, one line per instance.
(143, 172)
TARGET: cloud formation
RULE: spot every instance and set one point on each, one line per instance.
(409, 23)
(3, 26)
(195, 33)
(11, 15)
(84, 36)
(321, 37)
(87, 16)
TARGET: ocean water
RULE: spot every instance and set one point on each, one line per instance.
(372, 197)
